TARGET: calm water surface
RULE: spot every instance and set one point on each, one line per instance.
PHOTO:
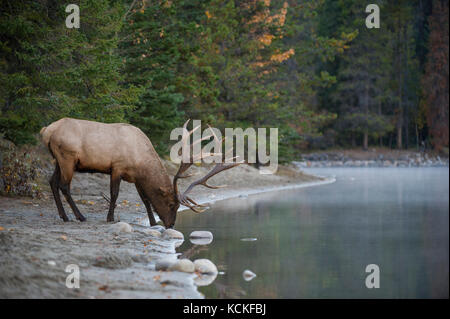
(316, 242)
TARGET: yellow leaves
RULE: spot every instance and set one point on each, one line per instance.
(161, 33)
(266, 39)
(208, 14)
(280, 57)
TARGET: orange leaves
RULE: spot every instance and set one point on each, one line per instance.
(278, 19)
(266, 39)
(280, 57)
(208, 14)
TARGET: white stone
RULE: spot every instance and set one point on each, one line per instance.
(201, 237)
(183, 265)
(201, 234)
(248, 275)
(204, 279)
(172, 234)
(201, 241)
(205, 266)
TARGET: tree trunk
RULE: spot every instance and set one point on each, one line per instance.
(399, 136)
(366, 111)
(366, 140)
(400, 95)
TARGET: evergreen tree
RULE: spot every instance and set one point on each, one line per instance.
(48, 71)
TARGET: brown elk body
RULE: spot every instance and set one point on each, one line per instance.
(125, 153)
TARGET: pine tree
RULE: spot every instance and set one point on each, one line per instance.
(48, 71)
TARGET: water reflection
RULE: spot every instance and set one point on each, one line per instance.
(316, 242)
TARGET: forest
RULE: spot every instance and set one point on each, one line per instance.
(310, 68)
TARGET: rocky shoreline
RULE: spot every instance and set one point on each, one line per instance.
(340, 159)
(127, 259)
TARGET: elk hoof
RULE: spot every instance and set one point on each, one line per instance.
(81, 218)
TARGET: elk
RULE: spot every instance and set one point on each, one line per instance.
(125, 153)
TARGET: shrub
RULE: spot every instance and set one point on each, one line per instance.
(18, 171)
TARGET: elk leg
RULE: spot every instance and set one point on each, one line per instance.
(114, 188)
(54, 184)
(65, 189)
(148, 206)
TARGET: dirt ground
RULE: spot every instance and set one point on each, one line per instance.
(36, 246)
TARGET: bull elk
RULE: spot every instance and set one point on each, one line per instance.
(125, 153)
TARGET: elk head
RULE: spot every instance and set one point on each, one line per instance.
(182, 198)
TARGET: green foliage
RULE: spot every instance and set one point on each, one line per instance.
(48, 71)
(310, 68)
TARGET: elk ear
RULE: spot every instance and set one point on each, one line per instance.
(164, 191)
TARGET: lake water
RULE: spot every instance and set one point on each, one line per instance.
(316, 242)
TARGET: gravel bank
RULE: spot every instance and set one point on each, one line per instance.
(36, 246)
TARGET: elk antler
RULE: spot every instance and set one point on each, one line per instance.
(183, 198)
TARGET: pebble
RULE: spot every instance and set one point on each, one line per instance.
(248, 275)
(204, 279)
(249, 239)
(122, 227)
(201, 234)
(52, 263)
(183, 265)
(201, 241)
(201, 237)
(205, 266)
(172, 234)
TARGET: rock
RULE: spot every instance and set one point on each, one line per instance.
(51, 263)
(172, 234)
(159, 228)
(205, 266)
(248, 275)
(204, 279)
(201, 241)
(201, 234)
(164, 264)
(121, 227)
(152, 232)
(183, 265)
